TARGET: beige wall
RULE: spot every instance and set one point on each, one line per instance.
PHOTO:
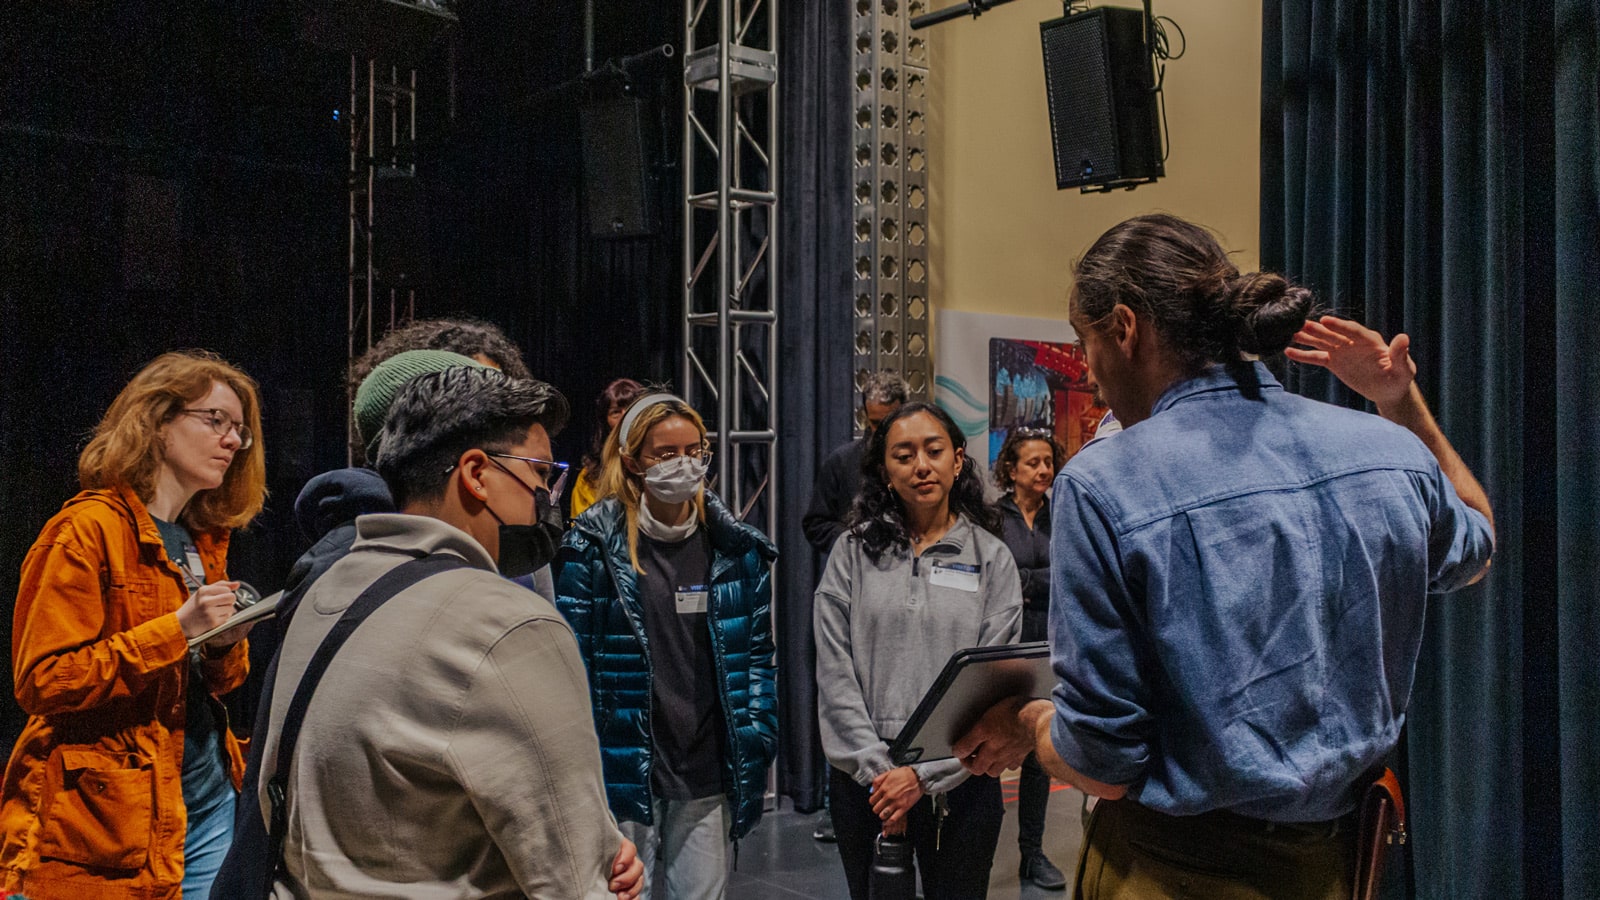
(1001, 235)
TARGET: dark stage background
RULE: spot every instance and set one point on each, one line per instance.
(175, 177)
(172, 175)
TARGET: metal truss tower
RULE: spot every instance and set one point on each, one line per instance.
(891, 195)
(730, 244)
(383, 133)
(387, 41)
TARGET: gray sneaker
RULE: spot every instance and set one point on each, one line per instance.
(824, 830)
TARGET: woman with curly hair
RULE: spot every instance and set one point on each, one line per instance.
(919, 575)
(123, 781)
(467, 336)
(1023, 471)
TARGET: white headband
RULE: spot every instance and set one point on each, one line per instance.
(639, 406)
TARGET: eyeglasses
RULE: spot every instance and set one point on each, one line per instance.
(702, 454)
(543, 468)
(222, 422)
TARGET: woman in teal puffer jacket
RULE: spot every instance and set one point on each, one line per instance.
(670, 598)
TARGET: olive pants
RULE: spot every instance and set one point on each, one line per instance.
(1134, 853)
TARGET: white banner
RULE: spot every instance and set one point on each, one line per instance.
(961, 365)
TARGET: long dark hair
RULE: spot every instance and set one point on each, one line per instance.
(619, 394)
(1175, 274)
(878, 515)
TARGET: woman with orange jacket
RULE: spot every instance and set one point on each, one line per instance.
(122, 784)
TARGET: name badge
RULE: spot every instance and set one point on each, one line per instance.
(692, 599)
(197, 568)
(960, 576)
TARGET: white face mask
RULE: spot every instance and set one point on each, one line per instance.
(675, 480)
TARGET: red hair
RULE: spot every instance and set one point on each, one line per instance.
(128, 448)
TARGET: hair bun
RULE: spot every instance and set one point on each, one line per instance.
(1269, 311)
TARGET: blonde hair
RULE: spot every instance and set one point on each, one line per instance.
(627, 487)
(128, 450)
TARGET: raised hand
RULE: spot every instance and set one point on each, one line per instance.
(1357, 355)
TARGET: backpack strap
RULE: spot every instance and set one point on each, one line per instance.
(378, 593)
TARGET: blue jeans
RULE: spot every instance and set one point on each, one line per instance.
(690, 838)
(206, 842)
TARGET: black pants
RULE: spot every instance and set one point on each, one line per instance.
(1033, 798)
(957, 870)
(1033, 788)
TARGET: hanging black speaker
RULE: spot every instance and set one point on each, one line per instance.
(399, 228)
(1104, 122)
(616, 177)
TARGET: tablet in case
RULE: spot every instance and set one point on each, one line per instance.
(974, 680)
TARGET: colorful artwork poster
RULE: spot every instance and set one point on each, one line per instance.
(1040, 384)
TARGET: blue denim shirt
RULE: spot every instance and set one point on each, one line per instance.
(1237, 594)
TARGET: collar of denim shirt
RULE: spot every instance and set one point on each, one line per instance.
(1246, 378)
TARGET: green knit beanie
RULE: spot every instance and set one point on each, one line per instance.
(378, 390)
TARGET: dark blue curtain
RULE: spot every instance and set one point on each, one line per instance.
(1433, 167)
(814, 369)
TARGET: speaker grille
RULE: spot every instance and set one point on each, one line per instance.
(399, 228)
(616, 184)
(1103, 117)
(1083, 126)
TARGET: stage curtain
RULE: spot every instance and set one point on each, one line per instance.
(1432, 167)
(814, 383)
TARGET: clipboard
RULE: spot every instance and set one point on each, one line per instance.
(974, 680)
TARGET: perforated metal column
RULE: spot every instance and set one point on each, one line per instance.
(730, 295)
(891, 195)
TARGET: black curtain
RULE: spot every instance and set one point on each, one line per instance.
(510, 229)
(1434, 167)
(169, 178)
(814, 381)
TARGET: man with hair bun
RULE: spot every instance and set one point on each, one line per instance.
(1239, 580)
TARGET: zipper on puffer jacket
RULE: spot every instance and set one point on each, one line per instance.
(649, 669)
(719, 656)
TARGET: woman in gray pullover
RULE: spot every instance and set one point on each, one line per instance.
(918, 576)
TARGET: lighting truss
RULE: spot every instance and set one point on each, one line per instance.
(730, 244)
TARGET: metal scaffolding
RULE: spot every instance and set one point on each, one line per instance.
(383, 131)
(891, 196)
(730, 244)
(387, 40)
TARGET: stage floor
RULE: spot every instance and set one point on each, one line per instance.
(780, 861)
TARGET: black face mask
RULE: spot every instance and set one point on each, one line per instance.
(525, 549)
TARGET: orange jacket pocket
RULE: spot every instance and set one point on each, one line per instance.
(101, 811)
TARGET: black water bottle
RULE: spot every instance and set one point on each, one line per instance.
(892, 877)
